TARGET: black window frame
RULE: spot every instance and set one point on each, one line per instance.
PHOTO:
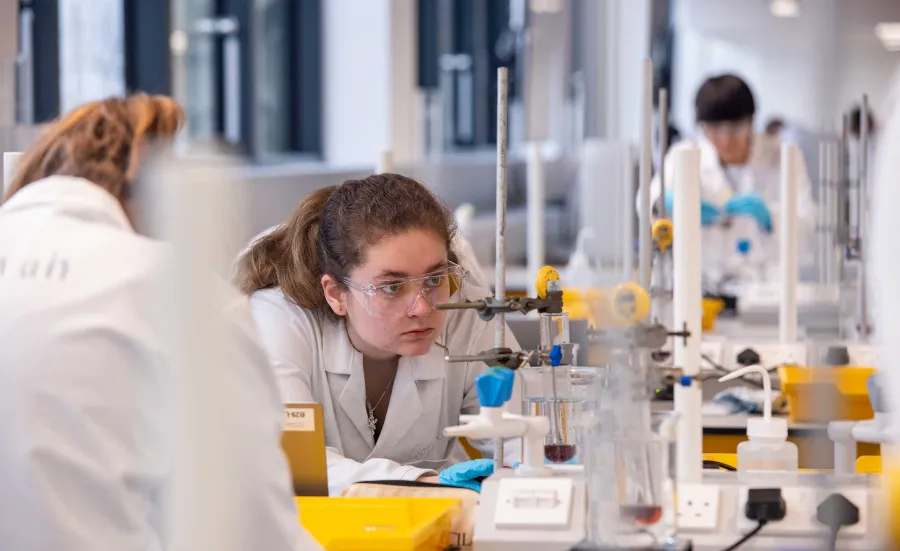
(45, 89)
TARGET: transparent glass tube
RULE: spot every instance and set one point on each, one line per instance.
(564, 395)
(554, 330)
(630, 484)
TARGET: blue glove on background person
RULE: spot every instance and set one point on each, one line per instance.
(709, 213)
(750, 204)
(464, 475)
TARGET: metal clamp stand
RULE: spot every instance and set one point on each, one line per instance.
(491, 306)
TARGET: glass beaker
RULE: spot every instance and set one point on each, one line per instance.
(554, 330)
(630, 481)
(562, 394)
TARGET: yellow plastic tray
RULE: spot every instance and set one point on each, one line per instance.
(868, 464)
(819, 394)
(711, 309)
(379, 524)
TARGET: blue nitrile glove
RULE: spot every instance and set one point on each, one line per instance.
(750, 204)
(465, 474)
(709, 213)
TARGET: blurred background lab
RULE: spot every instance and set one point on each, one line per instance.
(310, 93)
(313, 92)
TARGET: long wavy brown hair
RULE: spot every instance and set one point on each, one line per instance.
(330, 231)
(104, 142)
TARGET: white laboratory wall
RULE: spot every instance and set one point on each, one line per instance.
(370, 97)
(866, 69)
(789, 63)
(356, 75)
(91, 51)
(807, 70)
(614, 38)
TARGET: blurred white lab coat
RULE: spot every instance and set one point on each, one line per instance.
(314, 361)
(761, 174)
(86, 443)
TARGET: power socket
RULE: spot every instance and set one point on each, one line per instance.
(859, 497)
(771, 354)
(698, 507)
(800, 516)
(864, 355)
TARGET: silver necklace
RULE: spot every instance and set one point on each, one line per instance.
(373, 424)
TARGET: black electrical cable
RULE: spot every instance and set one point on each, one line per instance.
(832, 538)
(711, 464)
(748, 536)
(835, 512)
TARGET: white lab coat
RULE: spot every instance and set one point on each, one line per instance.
(761, 174)
(85, 387)
(315, 362)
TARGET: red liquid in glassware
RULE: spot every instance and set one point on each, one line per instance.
(559, 453)
(641, 515)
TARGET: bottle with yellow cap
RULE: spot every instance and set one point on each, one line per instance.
(661, 283)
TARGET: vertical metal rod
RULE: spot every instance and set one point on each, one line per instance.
(832, 212)
(644, 245)
(822, 214)
(500, 270)
(663, 148)
(861, 203)
(843, 229)
(385, 162)
(842, 198)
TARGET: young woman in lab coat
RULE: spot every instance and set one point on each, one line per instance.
(740, 175)
(87, 453)
(343, 295)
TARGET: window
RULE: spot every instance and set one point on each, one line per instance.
(38, 62)
(461, 45)
(289, 97)
(248, 72)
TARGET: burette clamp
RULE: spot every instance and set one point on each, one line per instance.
(683, 334)
(490, 306)
(561, 354)
(500, 357)
(548, 301)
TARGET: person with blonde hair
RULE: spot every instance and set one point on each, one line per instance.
(344, 296)
(86, 382)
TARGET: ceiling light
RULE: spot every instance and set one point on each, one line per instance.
(784, 8)
(889, 35)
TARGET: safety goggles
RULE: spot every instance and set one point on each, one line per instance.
(396, 299)
(724, 129)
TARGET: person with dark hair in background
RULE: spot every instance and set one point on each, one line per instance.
(854, 127)
(739, 176)
(775, 127)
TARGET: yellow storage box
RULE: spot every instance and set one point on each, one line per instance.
(711, 309)
(379, 524)
(821, 394)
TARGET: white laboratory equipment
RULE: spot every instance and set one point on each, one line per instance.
(533, 505)
(767, 448)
